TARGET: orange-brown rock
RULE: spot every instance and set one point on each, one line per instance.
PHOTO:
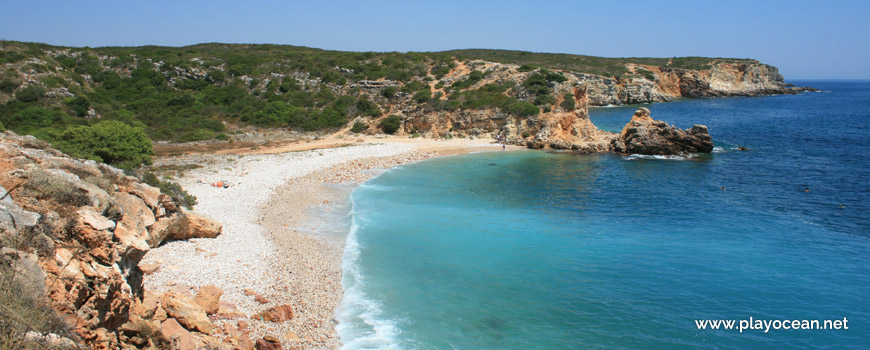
(179, 337)
(200, 227)
(186, 312)
(261, 299)
(149, 269)
(245, 343)
(183, 225)
(268, 343)
(208, 297)
(276, 314)
(91, 243)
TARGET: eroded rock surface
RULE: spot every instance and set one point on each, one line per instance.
(645, 135)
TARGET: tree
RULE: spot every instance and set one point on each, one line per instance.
(568, 103)
(109, 141)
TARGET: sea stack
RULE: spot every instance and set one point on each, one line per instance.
(645, 135)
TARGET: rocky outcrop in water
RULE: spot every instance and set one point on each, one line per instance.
(645, 135)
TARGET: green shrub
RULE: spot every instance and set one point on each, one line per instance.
(171, 189)
(545, 100)
(527, 68)
(569, 103)
(109, 141)
(422, 96)
(358, 127)
(8, 86)
(79, 105)
(367, 108)
(389, 91)
(526, 134)
(391, 124)
(31, 93)
(523, 109)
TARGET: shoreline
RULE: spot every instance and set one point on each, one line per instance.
(276, 241)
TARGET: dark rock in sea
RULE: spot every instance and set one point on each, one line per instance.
(644, 135)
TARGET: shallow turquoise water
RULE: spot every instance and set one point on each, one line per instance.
(529, 249)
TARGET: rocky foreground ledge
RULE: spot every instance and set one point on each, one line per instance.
(74, 232)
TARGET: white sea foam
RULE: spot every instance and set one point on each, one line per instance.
(645, 156)
(718, 149)
(361, 321)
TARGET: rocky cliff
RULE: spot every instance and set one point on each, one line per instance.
(74, 233)
(646, 83)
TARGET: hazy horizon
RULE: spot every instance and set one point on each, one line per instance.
(804, 39)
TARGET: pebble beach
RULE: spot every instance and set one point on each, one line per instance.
(270, 248)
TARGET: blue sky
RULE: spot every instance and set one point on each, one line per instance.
(805, 39)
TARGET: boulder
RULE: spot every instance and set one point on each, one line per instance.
(245, 343)
(131, 240)
(186, 312)
(208, 298)
(181, 226)
(135, 209)
(149, 269)
(228, 311)
(12, 217)
(645, 135)
(180, 338)
(26, 268)
(96, 220)
(276, 314)
(200, 227)
(268, 343)
(149, 194)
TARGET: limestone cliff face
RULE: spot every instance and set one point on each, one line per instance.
(659, 84)
(559, 127)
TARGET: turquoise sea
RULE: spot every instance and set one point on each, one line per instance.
(547, 250)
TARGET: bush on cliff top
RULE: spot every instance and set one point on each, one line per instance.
(109, 141)
(391, 124)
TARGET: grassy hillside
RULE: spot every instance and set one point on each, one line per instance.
(605, 66)
(206, 91)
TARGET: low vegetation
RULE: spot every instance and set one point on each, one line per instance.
(171, 189)
(391, 124)
(71, 97)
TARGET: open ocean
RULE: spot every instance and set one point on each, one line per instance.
(546, 250)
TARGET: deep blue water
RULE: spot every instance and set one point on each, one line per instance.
(538, 250)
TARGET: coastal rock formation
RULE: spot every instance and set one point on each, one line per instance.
(85, 227)
(649, 84)
(645, 135)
